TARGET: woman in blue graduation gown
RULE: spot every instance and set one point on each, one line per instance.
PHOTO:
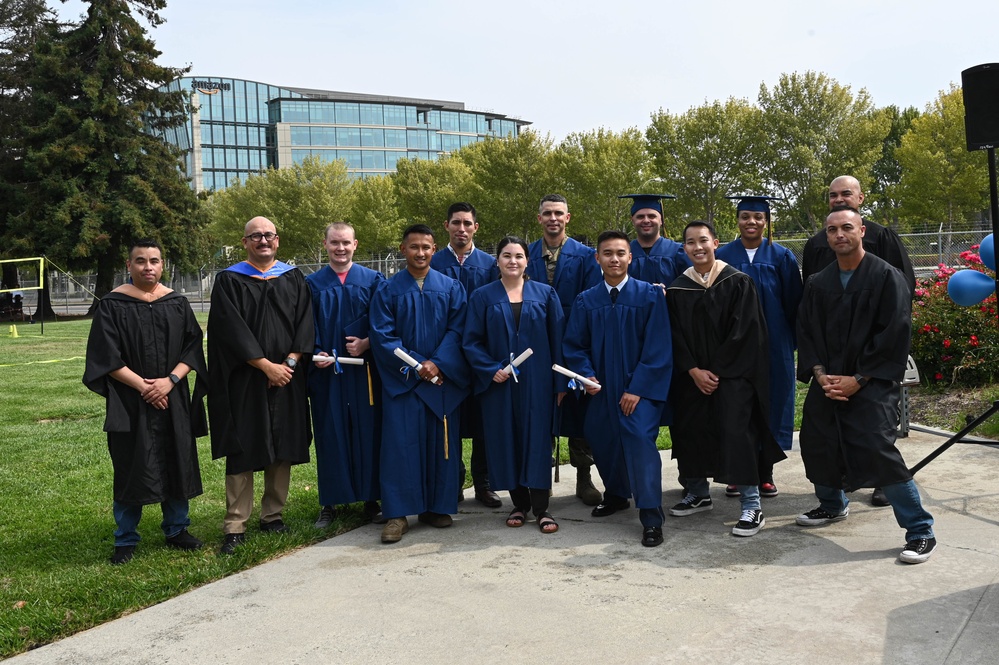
(504, 319)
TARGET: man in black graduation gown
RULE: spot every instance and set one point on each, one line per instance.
(260, 335)
(720, 387)
(143, 342)
(882, 242)
(854, 326)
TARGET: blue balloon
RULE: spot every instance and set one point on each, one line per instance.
(970, 287)
(988, 251)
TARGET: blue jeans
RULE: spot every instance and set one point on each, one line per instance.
(127, 516)
(904, 497)
(749, 495)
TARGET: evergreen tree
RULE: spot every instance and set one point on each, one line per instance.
(97, 174)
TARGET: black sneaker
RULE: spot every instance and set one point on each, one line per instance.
(122, 554)
(917, 551)
(691, 504)
(749, 523)
(184, 541)
(274, 526)
(820, 516)
(326, 517)
(231, 542)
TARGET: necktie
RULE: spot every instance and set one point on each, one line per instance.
(613, 294)
(461, 260)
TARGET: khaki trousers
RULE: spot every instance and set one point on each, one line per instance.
(239, 496)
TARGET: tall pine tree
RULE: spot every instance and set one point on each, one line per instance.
(96, 173)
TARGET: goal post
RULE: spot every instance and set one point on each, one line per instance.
(39, 262)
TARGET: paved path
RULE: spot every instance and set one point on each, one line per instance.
(480, 592)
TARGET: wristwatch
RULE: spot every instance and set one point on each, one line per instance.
(174, 379)
(860, 379)
(291, 362)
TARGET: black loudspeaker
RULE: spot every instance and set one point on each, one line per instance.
(981, 106)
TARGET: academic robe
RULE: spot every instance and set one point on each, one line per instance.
(664, 262)
(256, 315)
(722, 329)
(421, 446)
(576, 270)
(519, 416)
(879, 240)
(862, 329)
(778, 285)
(626, 346)
(153, 452)
(346, 406)
(478, 269)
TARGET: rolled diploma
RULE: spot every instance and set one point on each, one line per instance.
(344, 360)
(410, 360)
(519, 359)
(572, 375)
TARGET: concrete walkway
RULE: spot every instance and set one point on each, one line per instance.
(480, 592)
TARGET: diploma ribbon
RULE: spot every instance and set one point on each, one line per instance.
(516, 371)
(337, 369)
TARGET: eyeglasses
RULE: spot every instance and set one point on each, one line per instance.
(257, 237)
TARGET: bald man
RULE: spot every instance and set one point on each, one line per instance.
(260, 336)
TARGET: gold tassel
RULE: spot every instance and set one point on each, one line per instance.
(445, 437)
(371, 392)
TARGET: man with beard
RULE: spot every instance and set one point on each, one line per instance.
(259, 328)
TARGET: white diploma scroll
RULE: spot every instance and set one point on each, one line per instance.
(343, 360)
(572, 375)
(411, 361)
(518, 360)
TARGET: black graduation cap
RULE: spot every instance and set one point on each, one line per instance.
(755, 203)
(652, 201)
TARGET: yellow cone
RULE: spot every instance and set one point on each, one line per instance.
(13, 332)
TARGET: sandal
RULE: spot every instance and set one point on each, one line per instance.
(547, 523)
(516, 518)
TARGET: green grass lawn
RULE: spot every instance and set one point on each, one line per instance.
(55, 503)
(56, 527)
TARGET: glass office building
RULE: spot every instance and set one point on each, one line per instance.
(241, 127)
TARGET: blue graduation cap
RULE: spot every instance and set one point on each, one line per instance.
(641, 201)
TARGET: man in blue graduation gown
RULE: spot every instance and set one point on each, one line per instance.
(345, 399)
(618, 334)
(720, 389)
(881, 241)
(568, 267)
(654, 258)
(260, 329)
(778, 285)
(422, 312)
(473, 268)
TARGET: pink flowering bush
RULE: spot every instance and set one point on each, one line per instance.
(954, 345)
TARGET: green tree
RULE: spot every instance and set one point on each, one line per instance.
(509, 178)
(425, 189)
(704, 155)
(883, 195)
(375, 215)
(815, 129)
(300, 201)
(597, 167)
(941, 181)
(95, 173)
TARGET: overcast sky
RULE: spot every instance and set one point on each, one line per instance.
(576, 66)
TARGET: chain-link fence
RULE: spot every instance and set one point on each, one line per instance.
(72, 294)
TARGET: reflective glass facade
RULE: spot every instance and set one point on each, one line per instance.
(241, 127)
